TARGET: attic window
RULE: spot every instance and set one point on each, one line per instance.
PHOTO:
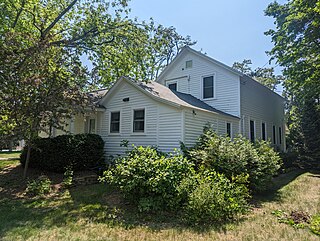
(208, 87)
(188, 64)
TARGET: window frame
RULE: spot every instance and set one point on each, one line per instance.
(280, 135)
(110, 116)
(265, 131)
(172, 82)
(89, 126)
(254, 130)
(189, 61)
(144, 124)
(230, 129)
(274, 135)
(213, 75)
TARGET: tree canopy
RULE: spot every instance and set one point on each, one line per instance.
(296, 40)
(265, 76)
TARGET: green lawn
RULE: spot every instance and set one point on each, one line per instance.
(97, 212)
(13, 154)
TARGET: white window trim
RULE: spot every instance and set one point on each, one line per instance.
(231, 132)
(254, 129)
(265, 128)
(145, 121)
(172, 82)
(214, 87)
(109, 127)
(191, 64)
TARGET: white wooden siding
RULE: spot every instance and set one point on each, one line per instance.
(261, 105)
(227, 85)
(194, 123)
(162, 122)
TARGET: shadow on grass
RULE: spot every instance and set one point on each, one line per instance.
(273, 193)
(97, 203)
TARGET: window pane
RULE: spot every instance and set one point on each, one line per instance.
(115, 116)
(263, 131)
(92, 126)
(115, 122)
(208, 81)
(138, 121)
(138, 114)
(173, 87)
(208, 86)
(138, 126)
(252, 137)
(229, 129)
(188, 64)
(274, 135)
(280, 136)
(207, 93)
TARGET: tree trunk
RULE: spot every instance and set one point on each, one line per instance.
(27, 162)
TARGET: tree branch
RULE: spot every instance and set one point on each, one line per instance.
(67, 9)
(18, 14)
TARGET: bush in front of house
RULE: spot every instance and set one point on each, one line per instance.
(149, 178)
(235, 157)
(155, 181)
(81, 152)
(215, 198)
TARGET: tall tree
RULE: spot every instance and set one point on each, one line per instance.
(296, 42)
(41, 74)
(265, 76)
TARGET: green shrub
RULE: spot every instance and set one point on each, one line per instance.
(149, 178)
(67, 177)
(315, 224)
(235, 157)
(214, 198)
(81, 152)
(39, 186)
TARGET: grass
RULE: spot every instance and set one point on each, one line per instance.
(97, 212)
(13, 154)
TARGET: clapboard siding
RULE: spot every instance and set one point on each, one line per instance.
(261, 105)
(195, 122)
(227, 84)
(162, 123)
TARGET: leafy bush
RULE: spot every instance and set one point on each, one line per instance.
(39, 186)
(149, 178)
(235, 157)
(315, 224)
(215, 198)
(82, 151)
(67, 177)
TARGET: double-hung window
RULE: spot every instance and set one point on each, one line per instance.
(92, 126)
(173, 86)
(115, 122)
(138, 120)
(229, 129)
(208, 87)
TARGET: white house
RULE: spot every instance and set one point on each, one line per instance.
(192, 91)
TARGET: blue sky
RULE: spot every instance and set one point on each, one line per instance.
(227, 30)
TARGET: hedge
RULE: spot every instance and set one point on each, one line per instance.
(81, 152)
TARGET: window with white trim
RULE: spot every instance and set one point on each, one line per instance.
(263, 131)
(208, 87)
(173, 86)
(188, 64)
(138, 120)
(115, 122)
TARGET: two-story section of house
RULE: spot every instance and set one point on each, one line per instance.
(259, 109)
(192, 91)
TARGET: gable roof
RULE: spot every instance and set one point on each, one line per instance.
(198, 53)
(186, 49)
(163, 94)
